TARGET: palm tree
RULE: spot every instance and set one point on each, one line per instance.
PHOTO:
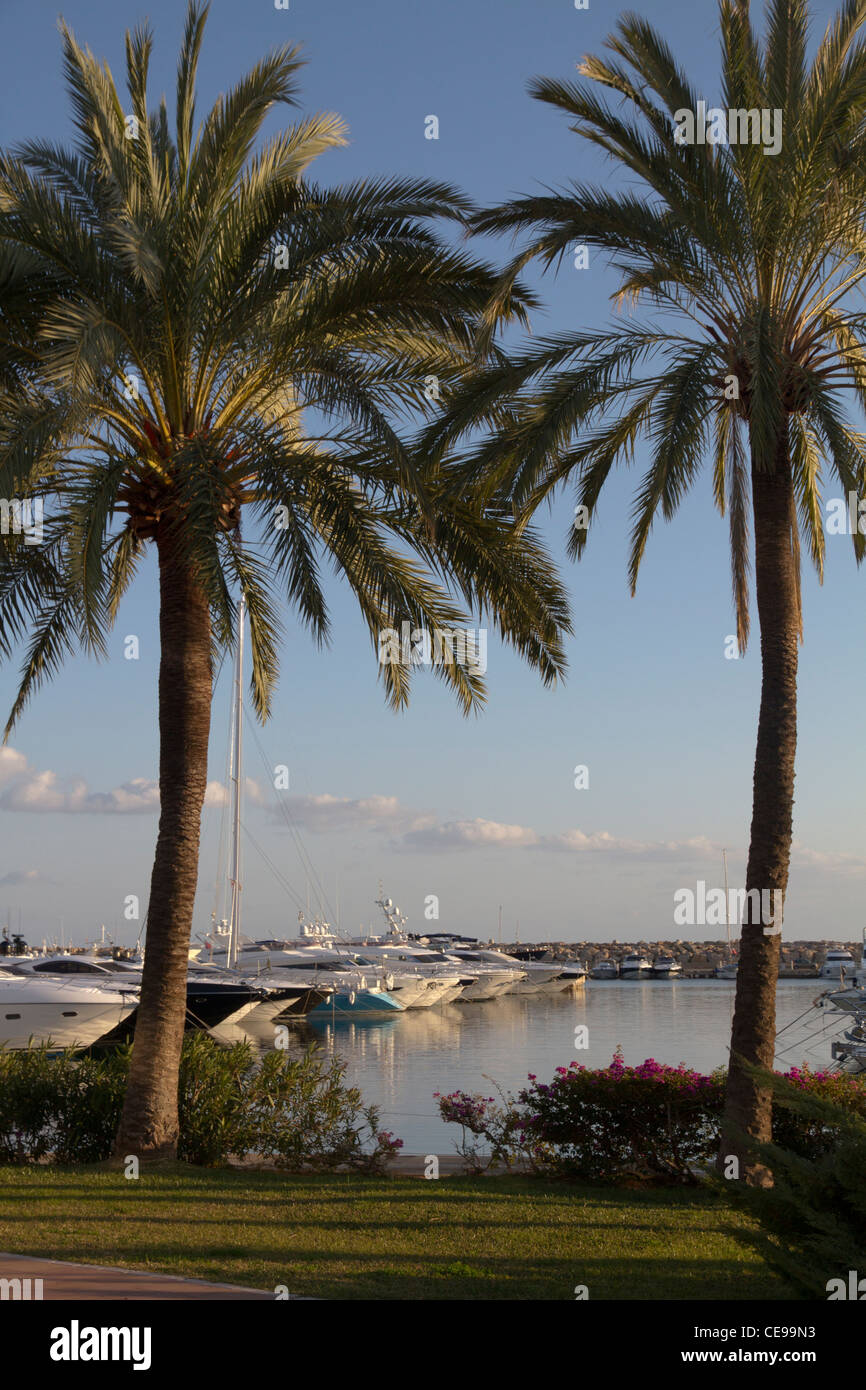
(749, 260)
(191, 331)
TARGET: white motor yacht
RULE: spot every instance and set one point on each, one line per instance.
(540, 975)
(355, 989)
(666, 968)
(838, 965)
(635, 967)
(605, 969)
(417, 982)
(59, 1012)
(527, 976)
(445, 979)
(213, 996)
(492, 977)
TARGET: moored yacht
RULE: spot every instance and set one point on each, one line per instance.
(635, 967)
(838, 965)
(605, 969)
(59, 1013)
(421, 977)
(213, 996)
(666, 968)
(354, 989)
(493, 972)
(488, 981)
(526, 976)
(572, 972)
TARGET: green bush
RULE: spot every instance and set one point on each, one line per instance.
(294, 1111)
(213, 1101)
(88, 1107)
(813, 1218)
(31, 1094)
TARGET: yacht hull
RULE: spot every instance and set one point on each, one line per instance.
(356, 1002)
(58, 1014)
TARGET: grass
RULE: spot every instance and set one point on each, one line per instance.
(348, 1237)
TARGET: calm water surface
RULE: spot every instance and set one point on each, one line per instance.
(399, 1062)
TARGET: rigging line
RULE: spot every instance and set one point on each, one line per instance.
(794, 1020)
(284, 883)
(802, 1041)
(221, 878)
(825, 1024)
(307, 864)
(325, 907)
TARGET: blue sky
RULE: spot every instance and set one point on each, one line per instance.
(480, 812)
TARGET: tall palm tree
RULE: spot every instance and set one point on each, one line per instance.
(749, 260)
(191, 332)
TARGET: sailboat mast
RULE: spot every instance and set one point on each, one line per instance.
(727, 904)
(234, 931)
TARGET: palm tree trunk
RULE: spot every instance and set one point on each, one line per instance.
(149, 1123)
(748, 1107)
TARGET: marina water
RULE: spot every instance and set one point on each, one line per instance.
(399, 1062)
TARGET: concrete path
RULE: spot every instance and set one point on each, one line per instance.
(73, 1283)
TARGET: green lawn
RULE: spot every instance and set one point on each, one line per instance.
(390, 1238)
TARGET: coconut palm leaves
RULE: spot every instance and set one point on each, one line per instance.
(192, 332)
(747, 260)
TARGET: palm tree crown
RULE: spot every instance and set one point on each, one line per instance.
(177, 312)
(749, 260)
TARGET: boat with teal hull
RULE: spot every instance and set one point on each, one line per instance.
(356, 1002)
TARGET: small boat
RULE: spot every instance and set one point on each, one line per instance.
(635, 967)
(726, 971)
(606, 969)
(573, 973)
(838, 965)
(666, 968)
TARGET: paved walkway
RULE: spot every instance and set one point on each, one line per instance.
(89, 1283)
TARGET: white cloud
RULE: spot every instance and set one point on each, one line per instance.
(24, 788)
(602, 842)
(12, 764)
(27, 789)
(822, 859)
(326, 812)
(470, 834)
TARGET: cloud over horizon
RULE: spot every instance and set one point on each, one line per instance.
(24, 788)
